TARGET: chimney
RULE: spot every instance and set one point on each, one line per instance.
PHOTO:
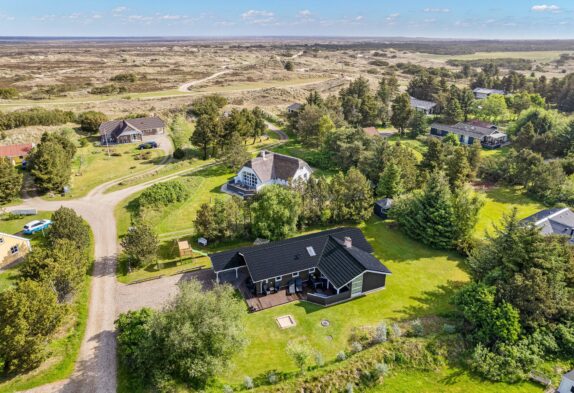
(348, 242)
(263, 154)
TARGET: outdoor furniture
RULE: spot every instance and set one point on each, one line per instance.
(317, 284)
(277, 286)
(298, 285)
(265, 289)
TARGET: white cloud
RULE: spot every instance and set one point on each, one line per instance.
(304, 14)
(171, 17)
(120, 9)
(392, 17)
(251, 14)
(443, 10)
(359, 18)
(257, 17)
(139, 18)
(545, 8)
(6, 17)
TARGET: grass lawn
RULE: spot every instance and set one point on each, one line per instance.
(500, 201)
(422, 282)
(92, 166)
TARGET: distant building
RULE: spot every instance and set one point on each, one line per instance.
(468, 132)
(266, 169)
(555, 221)
(130, 130)
(480, 93)
(294, 108)
(13, 248)
(426, 107)
(16, 153)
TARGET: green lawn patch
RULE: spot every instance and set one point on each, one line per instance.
(501, 201)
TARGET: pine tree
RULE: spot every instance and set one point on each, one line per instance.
(452, 113)
(402, 111)
(434, 158)
(436, 216)
(51, 166)
(458, 169)
(10, 181)
(391, 181)
(30, 314)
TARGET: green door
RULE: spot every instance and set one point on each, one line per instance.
(357, 286)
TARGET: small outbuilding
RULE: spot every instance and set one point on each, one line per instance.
(567, 383)
(184, 249)
(382, 207)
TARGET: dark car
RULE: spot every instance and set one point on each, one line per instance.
(148, 145)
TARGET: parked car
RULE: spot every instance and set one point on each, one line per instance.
(36, 226)
(148, 145)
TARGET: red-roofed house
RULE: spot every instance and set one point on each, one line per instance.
(16, 153)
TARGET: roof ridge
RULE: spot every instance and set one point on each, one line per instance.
(547, 218)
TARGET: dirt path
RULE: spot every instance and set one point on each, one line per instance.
(282, 135)
(185, 87)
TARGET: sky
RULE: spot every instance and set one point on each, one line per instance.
(489, 19)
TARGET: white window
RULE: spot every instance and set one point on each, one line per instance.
(296, 274)
(312, 270)
(278, 278)
(311, 251)
(14, 250)
(249, 179)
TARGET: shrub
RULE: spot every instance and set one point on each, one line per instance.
(299, 353)
(381, 369)
(248, 382)
(35, 117)
(397, 333)
(289, 66)
(163, 194)
(179, 153)
(380, 333)
(272, 378)
(341, 356)
(350, 388)
(227, 389)
(8, 93)
(418, 330)
(126, 77)
(506, 363)
(90, 121)
(448, 329)
(356, 347)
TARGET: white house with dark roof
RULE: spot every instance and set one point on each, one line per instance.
(426, 107)
(266, 169)
(130, 130)
(481, 93)
(555, 221)
(474, 130)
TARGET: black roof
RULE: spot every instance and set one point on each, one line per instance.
(337, 262)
